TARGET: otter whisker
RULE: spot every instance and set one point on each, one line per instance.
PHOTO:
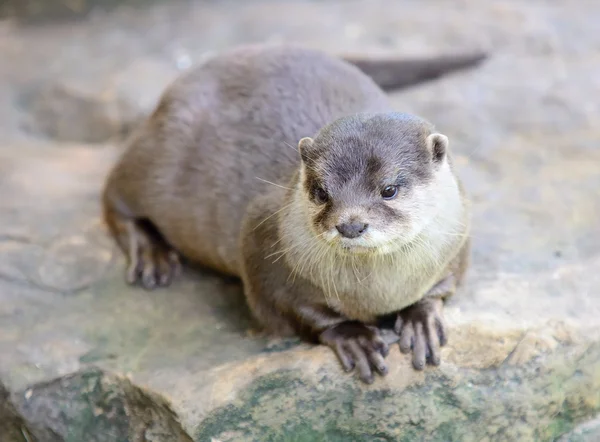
(295, 246)
(325, 251)
(325, 294)
(305, 255)
(274, 184)
(292, 274)
(310, 258)
(368, 275)
(353, 265)
(273, 214)
(290, 146)
(328, 279)
(311, 263)
(302, 260)
(283, 253)
(451, 233)
(337, 295)
(276, 242)
(316, 258)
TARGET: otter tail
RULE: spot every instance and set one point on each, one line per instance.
(391, 74)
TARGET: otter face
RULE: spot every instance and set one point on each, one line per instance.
(373, 182)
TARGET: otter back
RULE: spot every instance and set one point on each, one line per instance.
(224, 130)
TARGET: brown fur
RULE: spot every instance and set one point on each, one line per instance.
(213, 174)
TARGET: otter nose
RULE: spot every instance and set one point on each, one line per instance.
(352, 230)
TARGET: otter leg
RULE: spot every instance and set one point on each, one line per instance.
(151, 260)
(285, 305)
(421, 326)
(356, 345)
(289, 311)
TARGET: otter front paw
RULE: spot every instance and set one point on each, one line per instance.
(421, 328)
(358, 345)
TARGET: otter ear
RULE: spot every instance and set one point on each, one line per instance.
(304, 146)
(437, 145)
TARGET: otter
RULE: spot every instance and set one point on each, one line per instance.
(286, 167)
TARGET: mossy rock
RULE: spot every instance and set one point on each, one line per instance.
(93, 406)
(540, 401)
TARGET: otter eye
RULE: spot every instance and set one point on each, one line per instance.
(389, 192)
(321, 196)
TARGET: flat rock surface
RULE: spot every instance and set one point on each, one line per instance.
(524, 128)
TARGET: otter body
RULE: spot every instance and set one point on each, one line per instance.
(222, 129)
(223, 172)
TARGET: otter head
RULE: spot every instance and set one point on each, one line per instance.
(373, 182)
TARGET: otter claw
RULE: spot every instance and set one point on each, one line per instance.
(153, 267)
(358, 346)
(422, 330)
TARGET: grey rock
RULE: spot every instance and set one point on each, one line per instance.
(50, 10)
(93, 406)
(94, 110)
(13, 427)
(72, 112)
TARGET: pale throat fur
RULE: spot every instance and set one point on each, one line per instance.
(398, 269)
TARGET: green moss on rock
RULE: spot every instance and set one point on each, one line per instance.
(93, 406)
(538, 401)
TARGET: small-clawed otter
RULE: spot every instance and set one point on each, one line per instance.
(364, 219)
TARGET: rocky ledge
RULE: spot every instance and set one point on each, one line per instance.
(499, 386)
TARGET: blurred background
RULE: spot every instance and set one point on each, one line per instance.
(77, 75)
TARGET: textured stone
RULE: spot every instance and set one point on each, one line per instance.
(92, 406)
(13, 427)
(535, 401)
(73, 112)
(49, 10)
(93, 110)
(586, 432)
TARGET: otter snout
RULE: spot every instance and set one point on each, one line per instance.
(352, 229)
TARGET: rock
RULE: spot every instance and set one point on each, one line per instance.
(13, 427)
(586, 432)
(539, 400)
(93, 406)
(73, 112)
(49, 10)
(94, 110)
(73, 263)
